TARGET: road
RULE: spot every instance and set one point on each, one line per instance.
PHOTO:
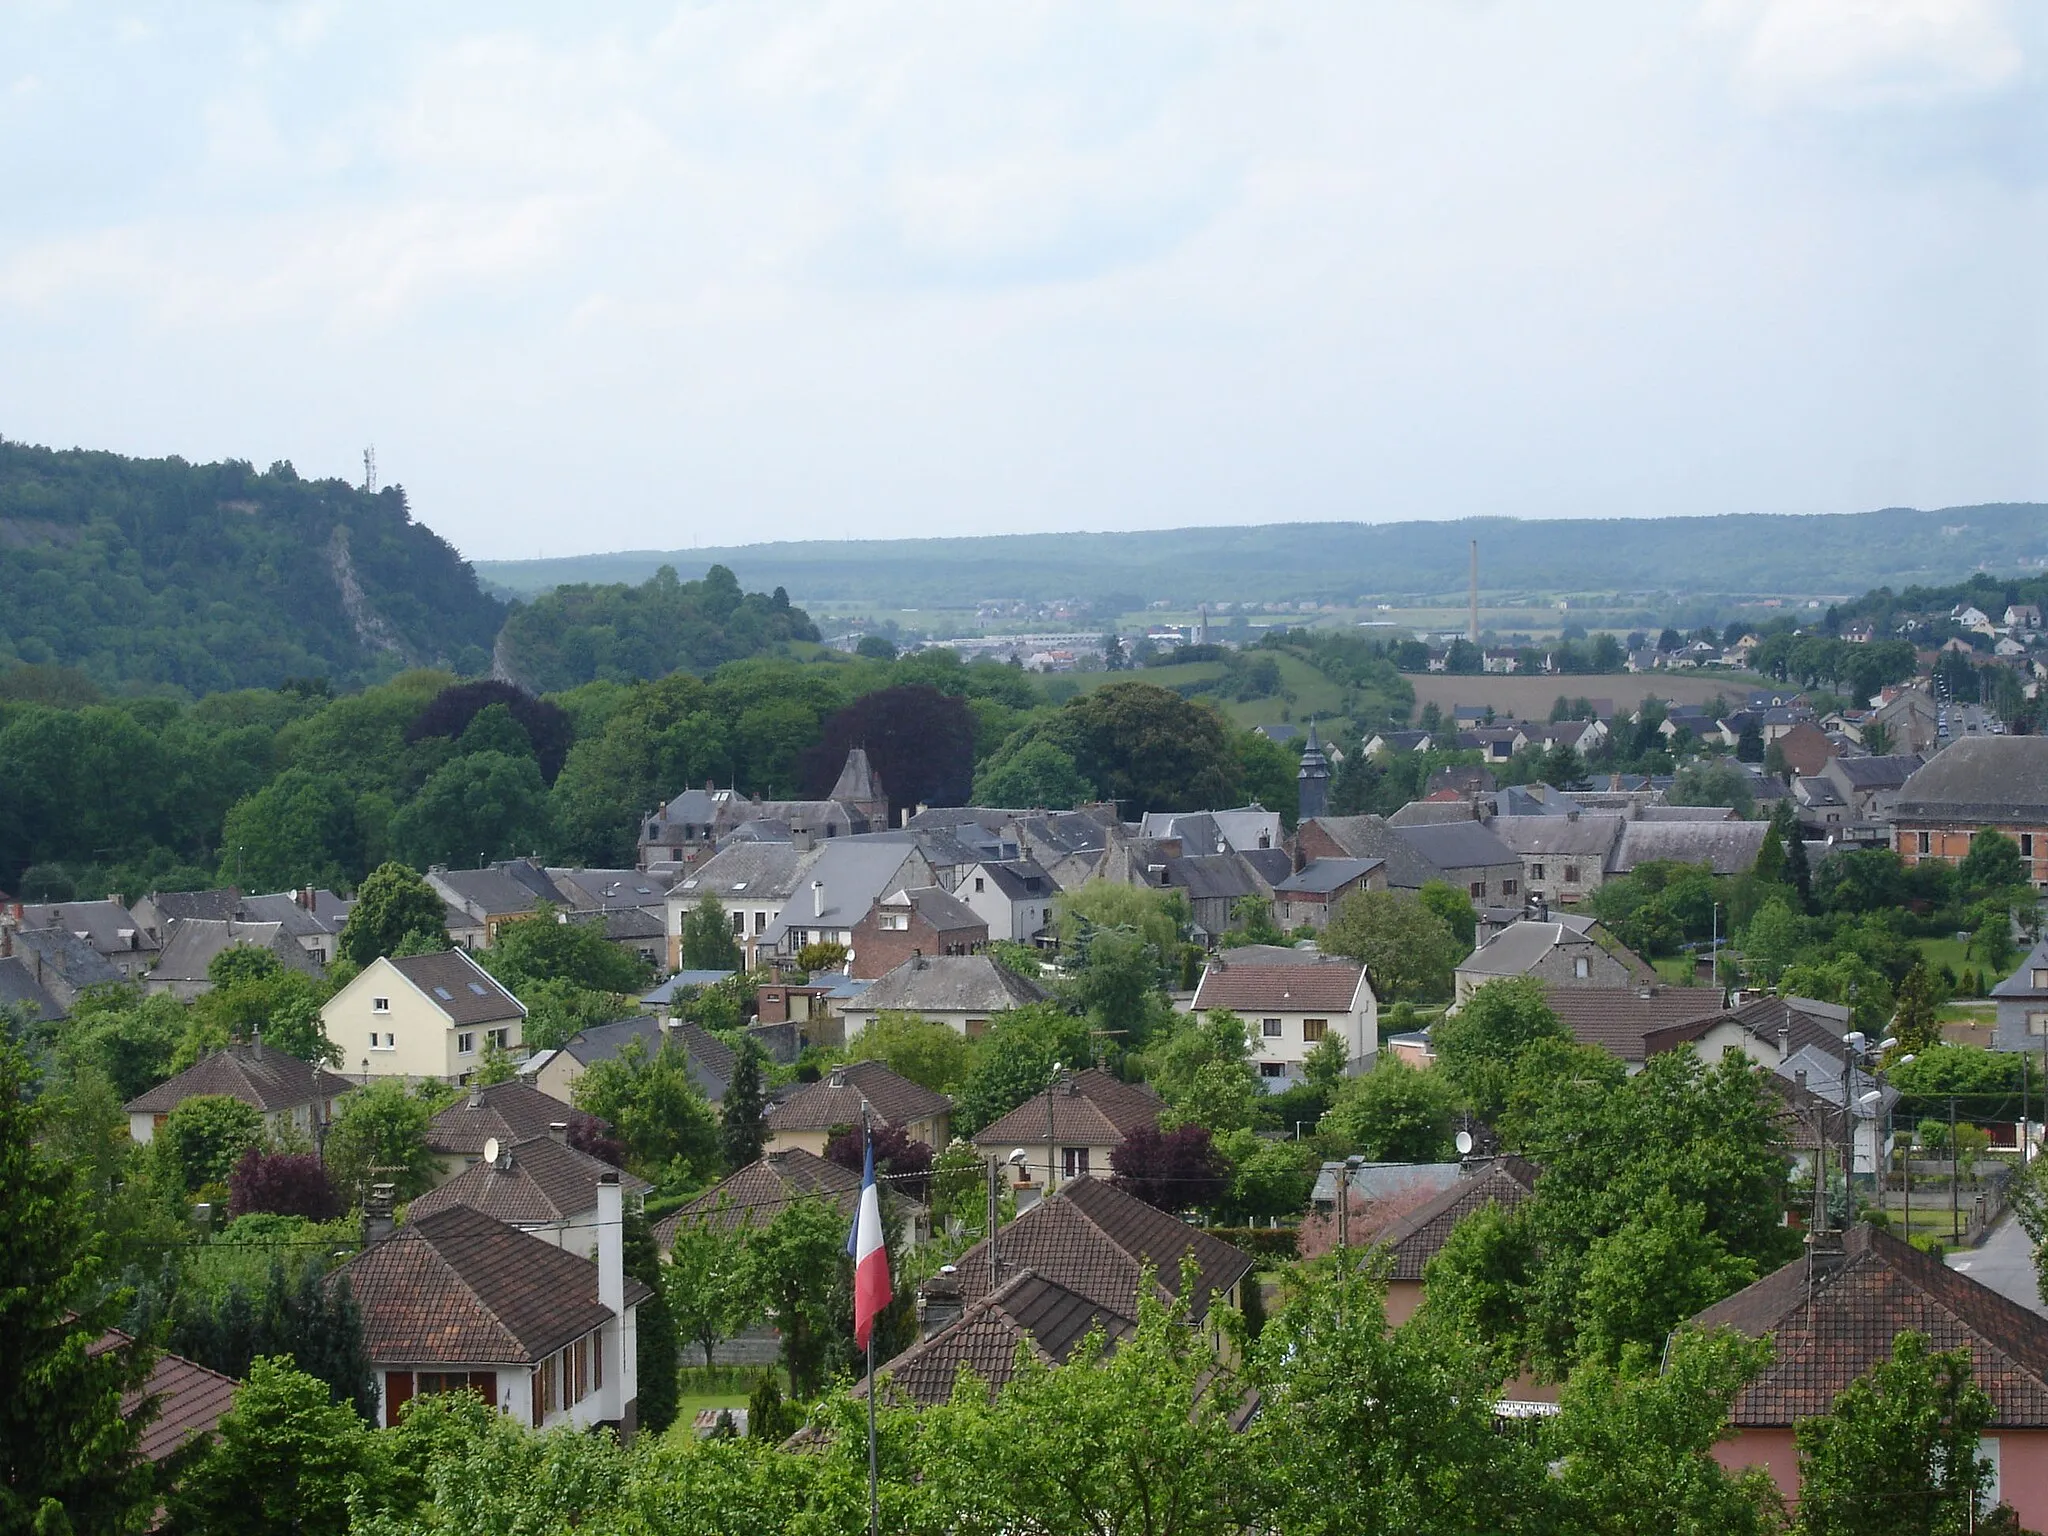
(2005, 1263)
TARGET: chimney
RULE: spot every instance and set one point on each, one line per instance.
(377, 1222)
(558, 1132)
(939, 1301)
(1784, 1041)
(1027, 1195)
(800, 839)
(817, 898)
(611, 1285)
(903, 817)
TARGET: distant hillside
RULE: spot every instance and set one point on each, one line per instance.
(215, 576)
(1693, 556)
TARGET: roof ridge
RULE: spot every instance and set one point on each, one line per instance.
(457, 1275)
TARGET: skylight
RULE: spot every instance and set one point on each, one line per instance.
(478, 988)
(444, 994)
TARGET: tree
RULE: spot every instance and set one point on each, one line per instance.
(1479, 1046)
(487, 805)
(1147, 748)
(379, 1136)
(905, 1164)
(1455, 908)
(517, 722)
(707, 1283)
(1095, 905)
(299, 829)
(1774, 939)
(1037, 774)
(1016, 1061)
(67, 1452)
(1992, 867)
(1898, 1453)
(1269, 1180)
(1653, 1272)
(1713, 784)
(254, 996)
(919, 741)
(1407, 949)
(933, 1055)
(742, 1125)
(128, 1038)
(1916, 1022)
(1844, 977)
(876, 648)
(206, 1136)
(794, 1269)
(655, 1107)
(821, 955)
(392, 903)
(1395, 1114)
(657, 1347)
(1749, 742)
(541, 949)
(284, 1459)
(1174, 1170)
(1206, 1056)
(282, 1184)
(708, 943)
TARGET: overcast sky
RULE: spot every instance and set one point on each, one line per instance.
(626, 276)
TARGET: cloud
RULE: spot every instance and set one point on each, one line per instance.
(1859, 54)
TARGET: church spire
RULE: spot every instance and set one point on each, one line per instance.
(1312, 783)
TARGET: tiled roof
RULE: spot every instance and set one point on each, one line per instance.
(1806, 1024)
(459, 987)
(951, 984)
(188, 1400)
(1833, 1330)
(1028, 1309)
(752, 1196)
(532, 1183)
(1620, 1019)
(511, 1112)
(1087, 1109)
(457, 1288)
(1416, 1238)
(1228, 983)
(836, 1100)
(257, 1074)
(1093, 1239)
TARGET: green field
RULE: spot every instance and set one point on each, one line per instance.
(1314, 696)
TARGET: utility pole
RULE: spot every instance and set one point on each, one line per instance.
(1955, 1177)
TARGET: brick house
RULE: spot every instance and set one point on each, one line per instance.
(926, 921)
(1806, 748)
(1835, 1313)
(1978, 784)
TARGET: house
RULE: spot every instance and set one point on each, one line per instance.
(837, 886)
(809, 1117)
(754, 1195)
(556, 1072)
(1371, 1183)
(1071, 1129)
(296, 1098)
(1098, 1242)
(186, 1401)
(542, 1186)
(1365, 837)
(1245, 829)
(1046, 1319)
(1470, 857)
(1559, 954)
(1806, 748)
(1214, 885)
(20, 989)
(927, 921)
(1835, 1313)
(196, 942)
(1563, 858)
(689, 826)
(1012, 897)
(488, 898)
(509, 1113)
(1976, 784)
(1625, 1020)
(1392, 743)
(1309, 895)
(58, 965)
(1726, 847)
(2022, 1000)
(752, 882)
(965, 992)
(155, 912)
(1289, 1009)
(110, 928)
(1870, 785)
(1910, 720)
(1821, 806)
(1446, 805)
(311, 917)
(1409, 1242)
(631, 904)
(455, 1301)
(420, 1016)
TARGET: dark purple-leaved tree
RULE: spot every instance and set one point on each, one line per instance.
(282, 1184)
(919, 741)
(906, 1163)
(548, 728)
(1175, 1170)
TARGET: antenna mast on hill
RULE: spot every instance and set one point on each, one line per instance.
(370, 470)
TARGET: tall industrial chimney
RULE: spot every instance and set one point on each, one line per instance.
(1472, 630)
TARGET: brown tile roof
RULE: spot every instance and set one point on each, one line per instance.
(753, 1195)
(534, 1182)
(457, 1288)
(512, 1112)
(1761, 1018)
(257, 1074)
(1029, 1309)
(187, 1399)
(1416, 1238)
(1097, 1240)
(1087, 1109)
(1292, 988)
(836, 1099)
(1846, 1322)
(459, 987)
(1621, 1019)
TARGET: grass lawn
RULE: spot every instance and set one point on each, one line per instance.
(1948, 952)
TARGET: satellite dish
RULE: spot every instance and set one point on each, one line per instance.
(1464, 1143)
(491, 1149)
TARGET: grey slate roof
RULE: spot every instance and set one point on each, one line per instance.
(1980, 778)
(20, 989)
(1369, 837)
(257, 1074)
(195, 942)
(939, 907)
(1730, 847)
(293, 920)
(2020, 984)
(1214, 877)
(107, 926)
(1433, 813)
(57, 952)
(1887, 772)
(1319, 877)
(178, 906)
(1520, 947)
(1588, 835)
(854, 870)
(517, 885)
(950, 984)
(1458, 846)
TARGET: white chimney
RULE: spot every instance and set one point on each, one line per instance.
(817, 898)
(615, 1339)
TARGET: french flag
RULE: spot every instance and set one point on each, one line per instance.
(870, 1256)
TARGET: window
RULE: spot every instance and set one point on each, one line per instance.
(976, 1028)
(981, 885)
(1476, 890)
(465, 1043)
(384, 1042)
(2041, 977)
(1535, 871)
(1270, 1028)
(1272, 1069)
(895, 922)
(1074, 1161)
(2037, 1023)
(1571, 874)
(500, 1039)
(1582, 968)
(1313, 1030)
(547, 1389)
(1508, 887)
(739, 922)
(2026, 845)
(1922, 839)
(380, 1005)
(483, 1383)
(760, 922)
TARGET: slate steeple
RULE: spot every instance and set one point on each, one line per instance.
(1313, 781)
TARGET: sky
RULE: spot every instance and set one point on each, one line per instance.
(647, 277)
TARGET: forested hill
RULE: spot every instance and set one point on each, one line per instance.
(1748, 554)
(216, 576)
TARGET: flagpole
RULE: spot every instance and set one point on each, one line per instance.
(874, 1481)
